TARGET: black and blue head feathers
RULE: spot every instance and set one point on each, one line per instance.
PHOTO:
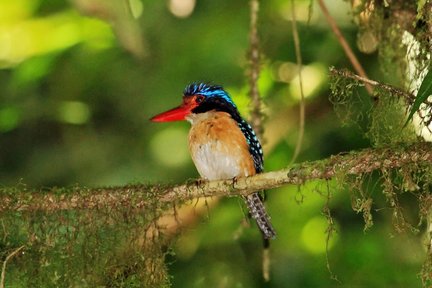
(210, 92)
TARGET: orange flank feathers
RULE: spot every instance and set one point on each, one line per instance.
(218, 147)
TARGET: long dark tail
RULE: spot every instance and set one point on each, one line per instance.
(258, 212)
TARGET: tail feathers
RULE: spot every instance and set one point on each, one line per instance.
(258, 212)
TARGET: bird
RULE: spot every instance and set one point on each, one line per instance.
(222, 144)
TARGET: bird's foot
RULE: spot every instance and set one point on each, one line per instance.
(234, 181)
(200, 181)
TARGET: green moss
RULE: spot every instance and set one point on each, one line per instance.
(387, 121)
(350, 105)
(108, 246)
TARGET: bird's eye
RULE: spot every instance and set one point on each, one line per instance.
(199, 99)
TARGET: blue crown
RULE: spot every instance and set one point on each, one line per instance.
(208, 90)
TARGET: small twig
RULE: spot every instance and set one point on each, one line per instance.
(256, 113)
(347, 49)
(302, 99)
(3, 273)
(330, 229)
(347, 74)
(5, 233)
(266, 264)
(254, 72)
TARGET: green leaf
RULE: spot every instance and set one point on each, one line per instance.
(423, 93)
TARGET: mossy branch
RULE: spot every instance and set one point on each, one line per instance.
(408, 97)
(3, 272)
(142, 196)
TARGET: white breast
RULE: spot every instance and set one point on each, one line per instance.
(218, 147)
(213, 162)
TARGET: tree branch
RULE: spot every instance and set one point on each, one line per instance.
(137, 196)
(254, 69)
(409, 98)
(3, 272)
(302, 105)
(345, 46)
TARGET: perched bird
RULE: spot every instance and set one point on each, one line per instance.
(222, 144)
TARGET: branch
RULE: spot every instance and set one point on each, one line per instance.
(137, 196)
(302, 97)
(394, 90)
(3, 272)
(254, 72)
(347, 49)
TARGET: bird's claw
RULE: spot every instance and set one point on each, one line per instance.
(199, 182)
(234, 181)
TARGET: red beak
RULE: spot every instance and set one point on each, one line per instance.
(176, 114)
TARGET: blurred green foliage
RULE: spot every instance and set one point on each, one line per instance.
(79, 81)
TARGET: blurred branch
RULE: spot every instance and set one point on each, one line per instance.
(302, 99)
(254, 69)
(3, 272)
(119, 15)
(347, 49)
(353, 163)
(256, 113)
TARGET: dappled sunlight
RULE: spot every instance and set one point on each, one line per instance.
(314, 77)
(284, 71)
(17, 10)
(314, 236)
(73, 112)
(170, 147)
(9, 118)
(181, 8)
(28, 37)
(137, 8)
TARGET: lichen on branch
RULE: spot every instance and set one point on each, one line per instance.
(147, 196)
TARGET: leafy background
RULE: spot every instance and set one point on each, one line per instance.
(79, 81)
